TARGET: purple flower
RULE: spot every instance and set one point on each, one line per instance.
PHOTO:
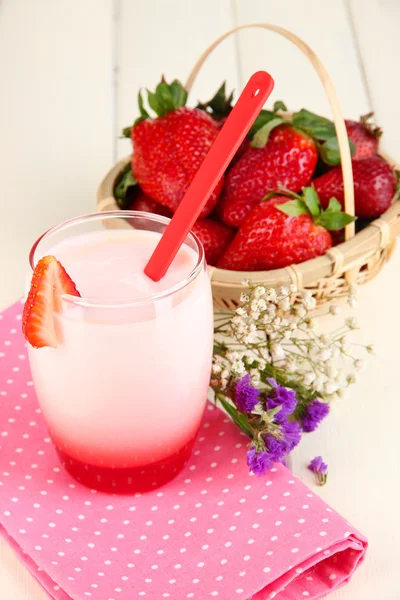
(246, 396)
(275, 448)
(280, 447)
(259, 462)
(281, 396)
(314, 413)
(320, 468)
(292, 435)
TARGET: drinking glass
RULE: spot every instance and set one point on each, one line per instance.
(124, 391)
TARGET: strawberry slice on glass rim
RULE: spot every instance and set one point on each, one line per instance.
(49, 281)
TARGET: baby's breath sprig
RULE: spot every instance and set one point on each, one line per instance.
(274, 373)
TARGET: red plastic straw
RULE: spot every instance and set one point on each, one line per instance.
(243, 114)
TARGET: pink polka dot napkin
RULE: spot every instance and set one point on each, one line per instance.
(215, 531)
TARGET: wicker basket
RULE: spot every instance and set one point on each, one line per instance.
(328, 277)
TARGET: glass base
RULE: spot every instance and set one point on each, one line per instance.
(127, 480)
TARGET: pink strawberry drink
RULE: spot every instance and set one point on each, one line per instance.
(124, 391)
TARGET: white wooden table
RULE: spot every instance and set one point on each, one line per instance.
(69, 74)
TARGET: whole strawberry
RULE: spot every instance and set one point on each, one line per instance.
(365, 136)
(277, 233)
(374, 186)
(168, 150)
(215, 238)
(287, 158)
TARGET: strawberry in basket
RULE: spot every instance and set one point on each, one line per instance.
(283, 157)
(374, 186)
(169, 149)
(374, 178)
(365, 136)
(277, 232)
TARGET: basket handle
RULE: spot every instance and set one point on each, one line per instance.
(340, 127)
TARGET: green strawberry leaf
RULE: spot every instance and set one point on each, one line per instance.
(164, 96)
(126, 181)
(261, 136)
(179, 94)
(334, 220)
(329, 151)
(219, 105)
(312, 201)
(293, 208)
(334, 206)
(156, 104)
(263, 117)
(305, 119)
(126, 132)
(143, 111)
(279, 105)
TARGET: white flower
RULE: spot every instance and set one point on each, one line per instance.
(277, 352)
(334, 309)
(345, 348)
(330, 387)
(300, 310)
(271, 295)
(250, 338)
(259, 291)
(241, 312)
(232, 356)
(331, 371)
(255, 375)
(284, 304)
(238, 367)
(262, 305)
(216, 368)
(311, 324)
(290, 365)
(351, 323)
(352, 301)
(244, 297)
(371, 349)
(335, 352)
(277, 322)
(265, 354)
(307, 300)
(284, 291)
(358, 364)
(325, 354)
(325, 339)
(354, 289)
(309, 378)
(293, 288)
(318, 384)
(351, 378)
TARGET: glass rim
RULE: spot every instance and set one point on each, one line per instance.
(110, 214)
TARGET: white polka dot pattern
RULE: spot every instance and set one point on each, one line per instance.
(213, 532)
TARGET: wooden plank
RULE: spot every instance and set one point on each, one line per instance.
(359, 441)
(376, 26)
(55, 120)
(158, 38)
(324, 25)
